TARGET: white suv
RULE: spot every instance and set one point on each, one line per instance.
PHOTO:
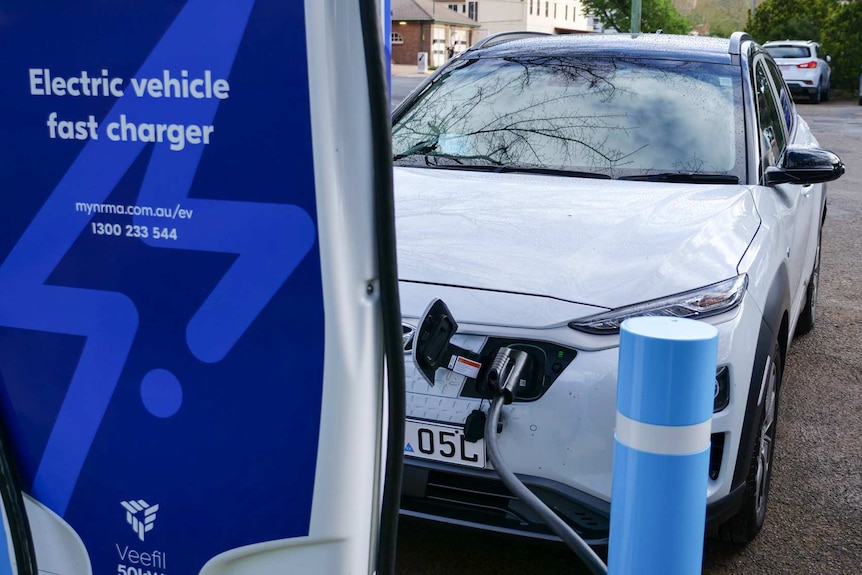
(548, 188)
(804, 66)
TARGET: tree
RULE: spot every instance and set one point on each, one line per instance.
(787, 20)
(724, 17)
(836, 25)
(842, 39)
(655, 15)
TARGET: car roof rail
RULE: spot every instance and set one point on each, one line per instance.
(736, 40)
(502, 37)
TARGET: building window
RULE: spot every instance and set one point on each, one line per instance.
(531, 6)
(453, 7)
(567, 12)
(555, 10)
(547, 2)
(397, 38)
(473, 10)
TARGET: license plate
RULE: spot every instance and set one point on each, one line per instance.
(445, 443)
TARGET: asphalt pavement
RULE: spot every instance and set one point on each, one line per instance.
(814, 523)
(404, 79)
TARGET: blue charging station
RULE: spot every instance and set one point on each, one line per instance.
(182, 302)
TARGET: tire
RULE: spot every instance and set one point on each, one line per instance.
(860, 100)
(824, 97)
(743, 527)
(814, 97)
(809, 311)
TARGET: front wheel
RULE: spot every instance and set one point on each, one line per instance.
(746, 524)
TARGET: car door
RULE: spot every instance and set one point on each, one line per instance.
(795, 206)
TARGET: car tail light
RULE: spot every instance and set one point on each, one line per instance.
(811, 64)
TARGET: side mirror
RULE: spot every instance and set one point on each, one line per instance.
(828, 59)
(805, 165)
(431, 342)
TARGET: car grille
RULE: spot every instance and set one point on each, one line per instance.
(487, 503)
(484, 502)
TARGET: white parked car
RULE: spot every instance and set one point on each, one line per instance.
(805, 67)
(546, 189)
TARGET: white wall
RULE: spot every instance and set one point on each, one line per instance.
(561, 15)
(502, 15)
(506, 15)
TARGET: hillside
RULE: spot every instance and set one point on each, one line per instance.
(721, 16)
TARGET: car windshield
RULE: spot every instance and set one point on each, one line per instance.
(789, 51)
(605, 117)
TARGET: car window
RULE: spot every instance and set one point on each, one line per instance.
(772, 138)
(788, 108)
(783, 51)
(611, 116)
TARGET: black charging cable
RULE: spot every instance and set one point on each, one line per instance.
(503, 376)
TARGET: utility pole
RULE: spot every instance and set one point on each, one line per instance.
(636, 16)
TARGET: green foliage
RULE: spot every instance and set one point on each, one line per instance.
(842, 39)
(724, 17)
(655, 15)
(787, 20)
(836, 25)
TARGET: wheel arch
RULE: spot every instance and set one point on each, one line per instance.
(774, 326)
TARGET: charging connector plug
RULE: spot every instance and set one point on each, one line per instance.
(503, 375)
(505, 372)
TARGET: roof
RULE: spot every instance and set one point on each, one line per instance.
(701, 48)
(790, 42)
(426, 11)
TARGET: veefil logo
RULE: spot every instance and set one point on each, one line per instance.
(140, 515)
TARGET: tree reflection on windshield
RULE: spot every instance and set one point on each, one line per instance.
(612, 116)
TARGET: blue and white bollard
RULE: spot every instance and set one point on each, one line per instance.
(661, 446)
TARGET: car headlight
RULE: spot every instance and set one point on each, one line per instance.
(695, 304)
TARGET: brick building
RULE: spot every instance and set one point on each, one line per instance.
(431, 27)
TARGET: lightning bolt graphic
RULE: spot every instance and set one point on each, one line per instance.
(205, 36)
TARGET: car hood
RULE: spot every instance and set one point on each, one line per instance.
(592, 242)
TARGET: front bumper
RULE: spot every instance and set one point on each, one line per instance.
(561, 445)
(479, 500)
